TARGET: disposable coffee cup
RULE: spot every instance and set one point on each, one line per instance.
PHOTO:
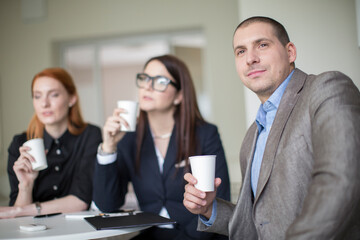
(203, 169)
(38, 152)
(130, 115)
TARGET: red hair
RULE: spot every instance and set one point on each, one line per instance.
(76, 124)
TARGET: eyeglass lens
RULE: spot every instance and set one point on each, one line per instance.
(158, 83)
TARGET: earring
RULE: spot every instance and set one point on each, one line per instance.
(176, 102)
(70, 105)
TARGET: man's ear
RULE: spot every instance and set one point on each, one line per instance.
(291, 51)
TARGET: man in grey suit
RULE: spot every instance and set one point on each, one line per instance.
(300, 159)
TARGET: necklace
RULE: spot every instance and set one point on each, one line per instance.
(164, 136)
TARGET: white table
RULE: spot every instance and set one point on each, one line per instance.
(58, 227)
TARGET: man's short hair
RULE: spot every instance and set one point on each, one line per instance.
(280, 31)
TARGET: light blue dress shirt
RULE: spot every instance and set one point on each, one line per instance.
(264, 120)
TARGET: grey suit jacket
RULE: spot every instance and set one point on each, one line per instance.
(309, 184)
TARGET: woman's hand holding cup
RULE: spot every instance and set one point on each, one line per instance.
(23, 168)
(123, 120)
(112, 133)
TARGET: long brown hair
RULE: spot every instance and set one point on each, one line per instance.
(186, 115)
(76, 123)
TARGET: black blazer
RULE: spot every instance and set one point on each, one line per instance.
(153, 189)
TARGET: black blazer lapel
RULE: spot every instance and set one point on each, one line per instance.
(148, 154)
(170, 158)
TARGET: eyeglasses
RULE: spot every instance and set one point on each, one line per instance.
(158, 83)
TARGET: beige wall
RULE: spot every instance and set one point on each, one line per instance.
(26, 48)
(324, 32)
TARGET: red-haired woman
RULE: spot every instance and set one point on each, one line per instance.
(70, 146)
(155, 157)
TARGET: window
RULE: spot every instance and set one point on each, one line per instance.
(104, 70)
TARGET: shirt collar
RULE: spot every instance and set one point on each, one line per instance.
(48, 140)
(272, 103)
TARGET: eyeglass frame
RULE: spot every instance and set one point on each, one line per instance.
(169, 81)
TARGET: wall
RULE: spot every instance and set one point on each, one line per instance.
(28, 47)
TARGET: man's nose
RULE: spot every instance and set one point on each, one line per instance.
(252, 57)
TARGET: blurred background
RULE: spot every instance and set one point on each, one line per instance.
(103, 44)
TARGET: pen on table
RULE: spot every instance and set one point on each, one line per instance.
(80, 215)
(47, 215)
(117, 214)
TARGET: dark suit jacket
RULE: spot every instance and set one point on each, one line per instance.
(153, 189)
(309, 184)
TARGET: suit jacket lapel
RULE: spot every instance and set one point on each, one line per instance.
(286, 106)
(247, 149)
(170, 156)
(148, 150)
(241, 226)
(248, 156)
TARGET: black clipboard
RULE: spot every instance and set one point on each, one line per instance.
(141, 219)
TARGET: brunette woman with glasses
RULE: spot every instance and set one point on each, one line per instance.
(155, 158)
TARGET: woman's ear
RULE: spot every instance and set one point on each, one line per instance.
(72, 101)
(178, 98)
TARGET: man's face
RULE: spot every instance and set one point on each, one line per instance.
(262, 62)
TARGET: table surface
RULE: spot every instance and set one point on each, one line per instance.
(58, 227)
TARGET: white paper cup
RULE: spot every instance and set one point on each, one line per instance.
(203, 169)
(131, 115)
(38, 152)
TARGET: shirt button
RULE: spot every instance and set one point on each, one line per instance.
(55, 187)
(58, 151)
(56, 141)
(57, 168)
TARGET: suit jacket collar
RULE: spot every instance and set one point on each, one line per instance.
(286, 106)
(171, 153)
(250, 143)
(149, 151)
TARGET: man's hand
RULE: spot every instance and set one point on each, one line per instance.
(196, 201)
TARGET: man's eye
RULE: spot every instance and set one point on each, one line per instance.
(240, 52)
(263, 45)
